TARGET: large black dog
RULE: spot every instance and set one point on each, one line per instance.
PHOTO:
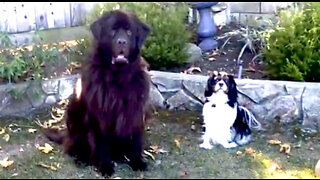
(106, 122)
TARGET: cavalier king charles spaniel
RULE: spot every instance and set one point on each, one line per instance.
(225, 122)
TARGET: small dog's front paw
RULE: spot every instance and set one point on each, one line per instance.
(206, 146)
(230, 145)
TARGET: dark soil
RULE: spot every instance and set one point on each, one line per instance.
(226, 59)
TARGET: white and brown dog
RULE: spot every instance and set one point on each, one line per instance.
(225, 122)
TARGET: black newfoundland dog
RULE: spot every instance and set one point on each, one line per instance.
(105, 123)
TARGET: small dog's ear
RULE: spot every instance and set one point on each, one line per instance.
(208, 90)
(232, 92)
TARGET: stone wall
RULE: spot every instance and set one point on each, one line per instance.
(270, 101)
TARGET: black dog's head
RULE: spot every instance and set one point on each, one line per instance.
(119, 36)
(222, 82)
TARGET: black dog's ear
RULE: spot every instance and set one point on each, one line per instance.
(142, 32)
(96, 29)
(232, 92)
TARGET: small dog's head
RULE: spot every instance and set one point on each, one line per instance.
(222, 82)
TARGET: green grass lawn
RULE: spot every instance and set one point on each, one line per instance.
(176, 153)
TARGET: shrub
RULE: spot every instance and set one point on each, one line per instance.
(292, 49)
(165, 46)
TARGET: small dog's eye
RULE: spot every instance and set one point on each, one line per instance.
(129, 32)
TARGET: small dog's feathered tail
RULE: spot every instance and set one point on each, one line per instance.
(55, 135)
(250, 119)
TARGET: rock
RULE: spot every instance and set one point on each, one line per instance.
(166, 82)
(283, 107)
(194, 52)
(181, 101)
(35, 94)
(66, 87)
(259, 90)
(51, 99)
(50, 86)
(311, 107)
(196, 86)
(156, 98)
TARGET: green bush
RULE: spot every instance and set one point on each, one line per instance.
(292, 49)
(165, 46)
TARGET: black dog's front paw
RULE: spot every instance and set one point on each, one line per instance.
(138, 165)
(106, 169)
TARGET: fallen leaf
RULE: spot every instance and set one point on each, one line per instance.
(274, 141)
(183, 173)
(212, 59)
(157, 150)
(149, 154)
(5, 162)
(286, 148)
(6, 137)
(48, 166)
(2, 131)
(32, 130)
(193, 127)
(250, 151)
(177, 142)
(14, 128)
(47, 148)
(238, 153)
(317, 169)
(193, 70)
(274, 166)
(14, 174)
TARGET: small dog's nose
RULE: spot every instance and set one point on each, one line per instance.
(220, 84)
(121, 41)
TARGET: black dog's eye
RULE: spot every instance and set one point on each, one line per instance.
(113, 32)
(129, 32)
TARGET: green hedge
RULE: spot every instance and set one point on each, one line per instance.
(292, 49)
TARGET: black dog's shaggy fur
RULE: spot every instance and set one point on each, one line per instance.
(106, 123)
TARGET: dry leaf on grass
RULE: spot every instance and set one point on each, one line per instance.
(48, 166)
(2, 131)
(6, 137)
(14, 128)
(157, 150)
(183, 173)
(32, 130)
(193, 70)
(177, 142)
(149, 154)
(274, 141)
(47, 148)
(250, 151)
(238, 153)
(317, 169)
(6, 162)
(14, 174)
(286, 148)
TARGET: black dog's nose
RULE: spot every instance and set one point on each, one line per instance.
(121, 41)
(220, 84)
